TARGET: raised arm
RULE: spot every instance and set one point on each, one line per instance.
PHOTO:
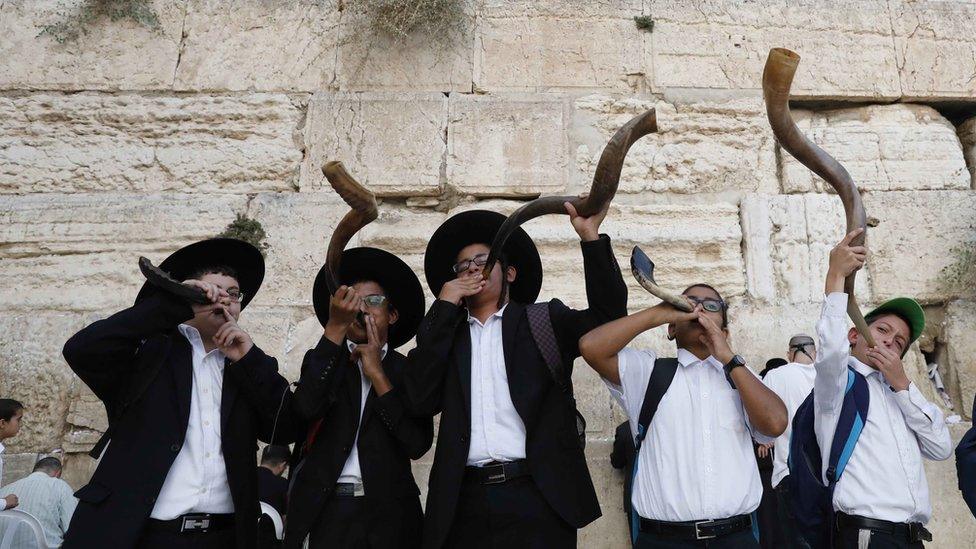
(600, 346)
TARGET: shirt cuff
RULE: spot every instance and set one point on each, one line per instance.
(912, 402)
(835, 304)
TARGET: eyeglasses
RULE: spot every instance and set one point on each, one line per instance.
(480, 260)
(710, 304)
(374, 300)
(236, 296)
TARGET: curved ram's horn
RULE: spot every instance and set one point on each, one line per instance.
(363, 210)
(776, 81)
(602, 190)
(643, 270)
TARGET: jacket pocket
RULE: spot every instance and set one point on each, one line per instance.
(93, 493)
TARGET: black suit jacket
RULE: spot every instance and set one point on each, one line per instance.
(389, 437)
(141, 347)
(273, 490)
(439, 380)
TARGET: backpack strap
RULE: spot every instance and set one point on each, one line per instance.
(853, 416)
(661, 377)
(540, 324)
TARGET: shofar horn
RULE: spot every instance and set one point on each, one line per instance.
(642, 268)
(363, 210)
(776, 81)
(604, 186)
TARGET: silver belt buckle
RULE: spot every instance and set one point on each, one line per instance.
(358, 490)
(698, 532)
(496, 478)
(195, 523)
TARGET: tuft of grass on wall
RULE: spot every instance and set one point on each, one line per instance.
(644, 22)
(246, 229)
(402, 18)
(77, 21)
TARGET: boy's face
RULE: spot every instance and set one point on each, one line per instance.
(687, 333)
(493, 289)
(210, 322)
(888, 330)
(384, 315)
(12, 427)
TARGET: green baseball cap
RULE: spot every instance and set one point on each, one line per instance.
(905, 307)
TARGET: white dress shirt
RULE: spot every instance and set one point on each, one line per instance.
(351, 472)
(497, 431)
(197, 480)
(792, 383)
(697, 461)
(884, 478)
(49, 499)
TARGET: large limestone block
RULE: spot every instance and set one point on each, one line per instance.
(78, 252)
(371, 59)
(528, 45)
(952, 524)
(147, 143)
(277, 45)
(761, 331)
(298, 227)
(507, 145)
(392, 143)
(17, 466)
(960, 326)
(611, 530)
(33, 372)
(788, 239)
(109, 55)
(698, 148)
(846, 47)
(935, 48)
(285, 333)
(884, 147)
(86, 420)
(967, 135)
(919, 235)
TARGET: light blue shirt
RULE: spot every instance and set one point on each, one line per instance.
(50, 500)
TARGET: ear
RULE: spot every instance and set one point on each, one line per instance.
(853, 336)
(671, 332)
(510, 274)
(394, 316)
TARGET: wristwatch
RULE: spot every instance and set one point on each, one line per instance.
(734, 363)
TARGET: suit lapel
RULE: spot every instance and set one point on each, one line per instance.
(510, 321)
(182, 369)
(227, 396)
(462, 351)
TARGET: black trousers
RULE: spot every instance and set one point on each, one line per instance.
(345, 523)
(158, 539)
(787, 520)
(850, 538)
(745, 539)
(508, 515)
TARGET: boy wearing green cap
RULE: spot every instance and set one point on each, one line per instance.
(882, 498)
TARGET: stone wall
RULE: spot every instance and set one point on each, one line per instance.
(134, 141)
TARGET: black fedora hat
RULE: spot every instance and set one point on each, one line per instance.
(389, 271)
(231, 252)
(479, 227)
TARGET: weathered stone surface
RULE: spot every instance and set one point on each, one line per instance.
(109, 55)
(531, 45)
(77, 469)
(79, 252)
(698, 148)
(507, 145)
(961, 350)
(967, 135)
(884, 147)
(932, 225)
(760, 332)
(394, 144)
(35, 374)
(952, 523)
(277, 45)
(130, 142)
(935, 48)
(846, 47)
(298, 227)
(370, 59)
(787, 245)
(17, 466)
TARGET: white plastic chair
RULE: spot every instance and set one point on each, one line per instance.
(267, 509)
(20, 530)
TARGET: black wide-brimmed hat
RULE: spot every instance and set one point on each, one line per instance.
(479, 227)
(398, 280)
(230, 252)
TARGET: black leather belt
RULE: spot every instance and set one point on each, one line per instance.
(498, 472)
(701, 529)
(911, 531)
(350, 489)
(194, 523)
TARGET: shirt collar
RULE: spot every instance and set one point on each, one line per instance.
(196, 341)
(498, 313)
(2, 447)
(685, 358)
(352, 346)
(862, 368)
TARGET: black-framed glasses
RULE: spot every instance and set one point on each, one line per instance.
(480, 260)
(374, 300)
(710, 304)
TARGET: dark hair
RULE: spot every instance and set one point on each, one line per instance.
(725, 306)
(9, 408)
(274, 454)
(225, 270)
(48, 465)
